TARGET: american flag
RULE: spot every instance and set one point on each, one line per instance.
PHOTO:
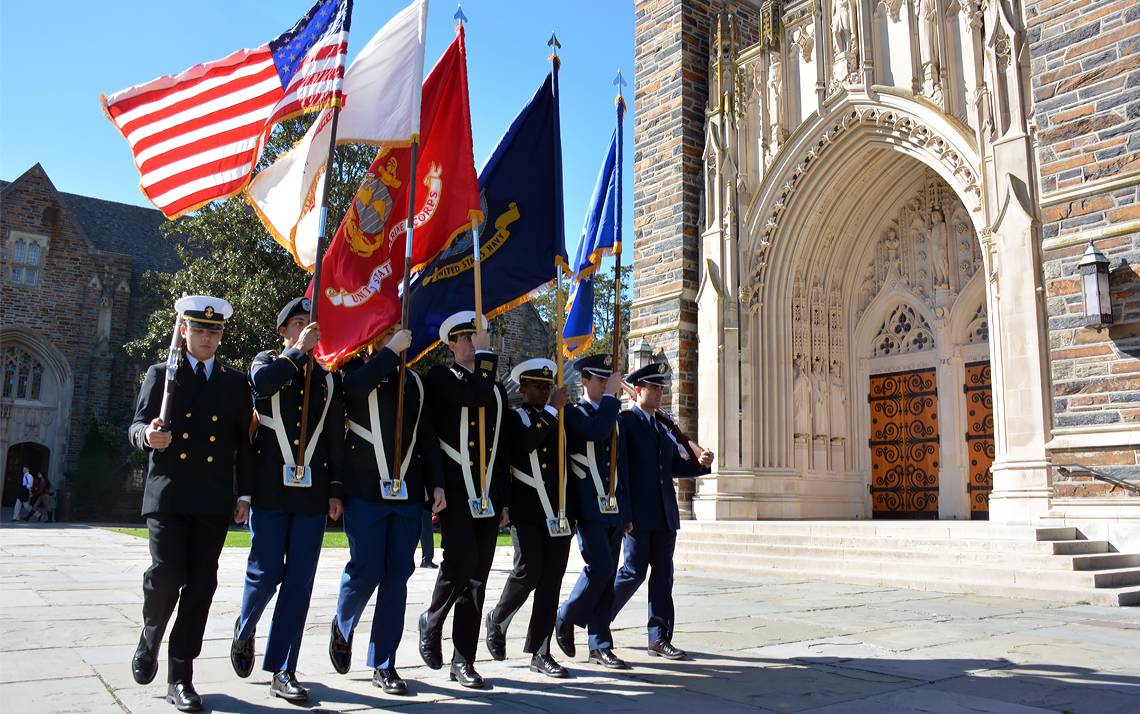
(196, 136)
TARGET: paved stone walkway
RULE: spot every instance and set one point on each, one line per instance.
(70, 601)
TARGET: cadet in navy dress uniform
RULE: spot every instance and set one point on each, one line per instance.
(654, 459)
(287, 510)
(455, 395)
(589, 428)
(531, 432)
(383, 510)
(188, 499)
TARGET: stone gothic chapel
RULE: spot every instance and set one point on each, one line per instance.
(858, 225)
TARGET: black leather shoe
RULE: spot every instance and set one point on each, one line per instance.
(389, 681)
(286, 686)
(564, 636)
(340, 649)
(607, 658)
(428, 564)
(430, 649)
(496, 639)
(465, 674)
(545, 664)
(241, 653)
(662, 648)
(144, 665)
(183, 697)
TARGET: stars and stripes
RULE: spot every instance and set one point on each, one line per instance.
(196, 136)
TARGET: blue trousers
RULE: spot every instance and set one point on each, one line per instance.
(648, 552)
(382, 542)
(591, 602)
(284, 551)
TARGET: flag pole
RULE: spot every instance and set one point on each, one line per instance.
(405, 306)
(560, 301)
(615, 330)
(322, 243)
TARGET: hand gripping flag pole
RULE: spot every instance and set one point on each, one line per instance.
(619, 100)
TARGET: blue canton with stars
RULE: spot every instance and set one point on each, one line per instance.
(327, 17)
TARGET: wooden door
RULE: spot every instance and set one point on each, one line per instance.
(979, 438)
(904, 444)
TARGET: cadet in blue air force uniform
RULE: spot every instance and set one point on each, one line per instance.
(589, 429)
(654, 459)
(287, 510)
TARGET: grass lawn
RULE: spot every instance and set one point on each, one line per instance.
(239, 538)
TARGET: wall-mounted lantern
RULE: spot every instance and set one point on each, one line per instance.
(642, 354)
(1094, 287)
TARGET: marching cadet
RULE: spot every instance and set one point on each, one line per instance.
(541, 541)
(383, 509)
(289, 496)
(467, 406)
(654, 460)
(602, 505)
(189, 494)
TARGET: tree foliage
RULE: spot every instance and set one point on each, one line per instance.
(546, 304)
(228, 253)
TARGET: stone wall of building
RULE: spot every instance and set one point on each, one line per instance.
(671, 48)
(1085, 62)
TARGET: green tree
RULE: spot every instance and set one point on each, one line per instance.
(228, 253)
(545, 302)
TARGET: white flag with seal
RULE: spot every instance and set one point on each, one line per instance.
(381, 106)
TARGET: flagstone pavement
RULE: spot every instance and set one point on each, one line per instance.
(70, 601)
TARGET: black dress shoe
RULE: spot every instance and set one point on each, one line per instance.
(496, 639)
(241, 653)
(430, 649)
(465, 674)
(183, 697)
(144, 665)
(545, 664)
(428, 564)
(662, 648)
(388, 680)
(564, 636)
(607, 658)
(286, 686)
(340, 649)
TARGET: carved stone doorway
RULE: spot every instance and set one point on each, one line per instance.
(904, 444)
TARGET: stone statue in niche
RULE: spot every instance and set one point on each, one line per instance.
(939, 251)
(891, 243)
(775, 135)
(928, 19)
(819, 411)
(103, 323)
(801, 395)
(841, 27)
(838, 404)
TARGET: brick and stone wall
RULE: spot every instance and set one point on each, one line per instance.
(671, 50)
(1085, 68)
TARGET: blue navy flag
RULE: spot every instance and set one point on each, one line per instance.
(521, 241)
(601, 234)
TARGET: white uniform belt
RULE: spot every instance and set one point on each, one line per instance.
(588, 464)
(462, 455)
(373, 436)
(276, 423)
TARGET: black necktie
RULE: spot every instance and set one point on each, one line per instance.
(200, 373)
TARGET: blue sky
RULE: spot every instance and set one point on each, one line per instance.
(56, 58)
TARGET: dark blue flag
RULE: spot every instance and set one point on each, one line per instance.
(521, 241)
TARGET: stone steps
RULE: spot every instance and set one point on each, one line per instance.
(1054, 563)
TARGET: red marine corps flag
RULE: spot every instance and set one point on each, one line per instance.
(362, 270)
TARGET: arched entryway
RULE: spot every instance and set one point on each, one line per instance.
(36, 457)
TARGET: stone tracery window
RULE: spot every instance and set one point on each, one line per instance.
(23, 374)
(27, 257)
(904, 331)
(979, 330)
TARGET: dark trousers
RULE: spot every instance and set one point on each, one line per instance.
(468, 549)
(381, 541)
(591, 602)
(649, 552)
(540, 562)
(427, 539)
(284, 550)
(184, 552)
